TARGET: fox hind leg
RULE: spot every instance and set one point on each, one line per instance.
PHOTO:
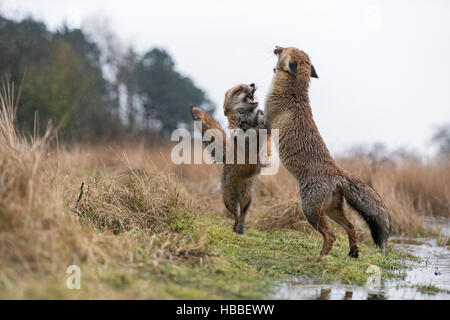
(315, 214)
(232, 206)
(336, 212)
(244, 209)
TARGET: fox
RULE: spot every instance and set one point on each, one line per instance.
(323, 185)
(238, 181)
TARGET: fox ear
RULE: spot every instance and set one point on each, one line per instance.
(314, 73)
(293, 68)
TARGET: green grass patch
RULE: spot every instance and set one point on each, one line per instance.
(430, 289)
(249, 266)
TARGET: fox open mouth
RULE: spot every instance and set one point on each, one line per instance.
(250, 99)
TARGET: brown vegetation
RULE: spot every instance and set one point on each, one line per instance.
(136, 207)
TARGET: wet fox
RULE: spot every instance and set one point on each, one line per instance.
(238, 180)
(323, 185)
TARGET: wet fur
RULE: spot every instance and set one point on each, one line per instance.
(323, 185)
(238, 180)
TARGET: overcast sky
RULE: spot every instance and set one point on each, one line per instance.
(383, 66)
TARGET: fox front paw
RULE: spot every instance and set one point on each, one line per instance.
(260, 117)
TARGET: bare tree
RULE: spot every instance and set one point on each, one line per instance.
(441, 138)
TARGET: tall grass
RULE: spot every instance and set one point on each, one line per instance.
(125, 216)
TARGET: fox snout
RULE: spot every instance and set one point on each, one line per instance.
(250, 98)
(293, 61)
(278, 50)
(250, 88)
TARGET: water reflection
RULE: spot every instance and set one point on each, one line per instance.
(324, 294)
(348, 295)
(434, 270)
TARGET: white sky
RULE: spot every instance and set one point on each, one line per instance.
(383, 66)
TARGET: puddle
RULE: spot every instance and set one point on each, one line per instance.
(439, 224)
(433, 270)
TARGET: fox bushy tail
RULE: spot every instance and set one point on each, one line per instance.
(369, 205)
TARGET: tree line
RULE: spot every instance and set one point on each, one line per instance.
(67, 81)
(92, 89)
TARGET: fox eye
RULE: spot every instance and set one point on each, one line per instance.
(238, 91)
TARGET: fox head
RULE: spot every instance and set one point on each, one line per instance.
(240, 99)
(294, 63)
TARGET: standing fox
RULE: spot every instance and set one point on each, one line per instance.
(323, 184)
(238, 180)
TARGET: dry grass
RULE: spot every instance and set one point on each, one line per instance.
(127, 215)
(137, 208)
(410, 189)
